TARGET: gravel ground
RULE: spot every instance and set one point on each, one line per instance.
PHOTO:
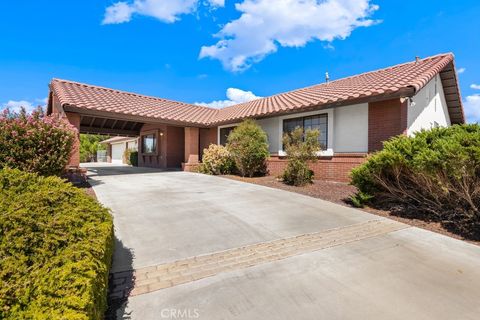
(340, 193)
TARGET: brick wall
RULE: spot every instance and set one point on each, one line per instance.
(336, 168)
(74, 119)
(192, 145)
(175, 146)
(207, 137)
(385, 120)
(157, 160)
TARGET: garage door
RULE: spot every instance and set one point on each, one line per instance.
(117, 152)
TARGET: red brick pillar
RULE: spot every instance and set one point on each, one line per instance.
(386, 119)
(74, 119)
(192, 143)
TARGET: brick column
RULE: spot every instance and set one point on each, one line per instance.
(192, 141)
(386, 119)
(74, 119)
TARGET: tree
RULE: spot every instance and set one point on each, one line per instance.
(89, 145)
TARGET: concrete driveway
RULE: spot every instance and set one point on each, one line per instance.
(205, 247)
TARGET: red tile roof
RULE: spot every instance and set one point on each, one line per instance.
(384, 82)
(403, 79)
(88, 97)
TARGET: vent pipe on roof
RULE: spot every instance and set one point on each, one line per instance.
(417, 59)
(327, 77)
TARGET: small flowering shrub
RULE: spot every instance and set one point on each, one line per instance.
(35, 143)
(217, 160)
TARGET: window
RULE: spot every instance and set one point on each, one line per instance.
(149, 143)
(318, 122)
(224, 132)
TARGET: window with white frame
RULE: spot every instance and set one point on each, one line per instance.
(316, 122)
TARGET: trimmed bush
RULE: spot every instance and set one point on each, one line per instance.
(301, 149)
(134, 158)
(56, 247)
(435, 174)
(35, 143)
(248, 145)
(216, 159)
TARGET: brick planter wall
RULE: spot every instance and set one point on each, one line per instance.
(336, 168)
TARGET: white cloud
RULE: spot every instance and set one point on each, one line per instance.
(472, 108)
(119, 12)
(217, 3)
(163, 10)
(475, 86)
(16, 106)
(461, 70)
(234, 96)
(43, 101)
(266, 24)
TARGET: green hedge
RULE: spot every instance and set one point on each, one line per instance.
(434, 175)
(248, 146)
(134, 158)
(56, 246)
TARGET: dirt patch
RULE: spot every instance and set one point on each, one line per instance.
(327, 190)
(87, 188)
(340, 193)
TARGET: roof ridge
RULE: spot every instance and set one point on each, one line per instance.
(129, 93)
(411, 75)
(345, 78)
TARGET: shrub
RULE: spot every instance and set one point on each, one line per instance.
(435, 174)
(301, 149)
(35, 143)
(216, 159)
(126, 156)
(134, 158)
(55, 246)
(248, 145)
(360, 198)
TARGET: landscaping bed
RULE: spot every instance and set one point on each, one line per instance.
(340, 193)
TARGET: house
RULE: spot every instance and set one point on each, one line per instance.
(117, 146)
(354, 115)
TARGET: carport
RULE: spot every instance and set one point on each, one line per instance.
(170, 135)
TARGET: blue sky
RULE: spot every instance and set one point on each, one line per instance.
(195, 50)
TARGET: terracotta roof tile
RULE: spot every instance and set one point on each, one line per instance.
(391, 80)
(84, 96)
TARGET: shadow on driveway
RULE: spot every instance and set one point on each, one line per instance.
(120, 284)
(109, 169)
